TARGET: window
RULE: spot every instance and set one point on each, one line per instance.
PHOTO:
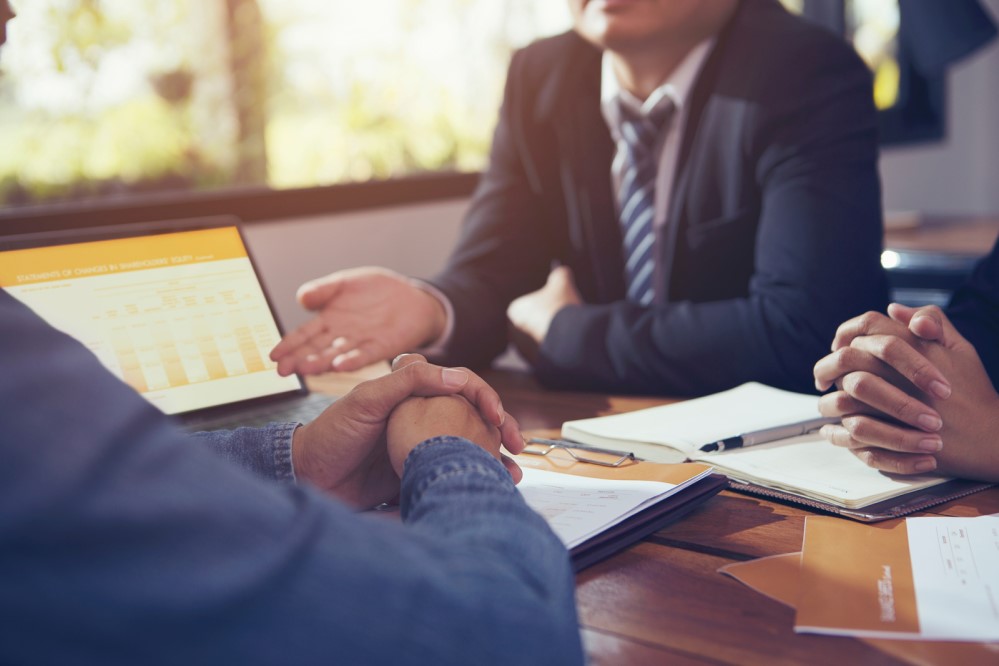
(102, 100)
(109, 98)
(872, 28)
(910, 103)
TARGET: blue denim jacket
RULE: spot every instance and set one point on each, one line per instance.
(124, 542)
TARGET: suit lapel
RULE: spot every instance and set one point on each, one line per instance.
(676, 222)
(587, 150)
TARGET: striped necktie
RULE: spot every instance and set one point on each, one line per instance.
(637, 150)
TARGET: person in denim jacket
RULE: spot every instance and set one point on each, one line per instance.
(125, 541)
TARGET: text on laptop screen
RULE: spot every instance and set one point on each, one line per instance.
(180, 317)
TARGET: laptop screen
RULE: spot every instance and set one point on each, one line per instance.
(180, 316)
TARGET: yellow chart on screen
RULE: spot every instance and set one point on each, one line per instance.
(193, 329)
(183, 329)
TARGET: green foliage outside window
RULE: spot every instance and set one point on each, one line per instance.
(113, 97)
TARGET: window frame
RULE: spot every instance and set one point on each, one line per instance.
(250, 204)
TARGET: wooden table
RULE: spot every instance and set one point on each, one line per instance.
(663, 601)
(972, 236)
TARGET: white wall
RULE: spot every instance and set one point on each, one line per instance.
(960, 174)
(414, 240)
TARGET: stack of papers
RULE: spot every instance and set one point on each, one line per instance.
(597, 511)
(578, 507)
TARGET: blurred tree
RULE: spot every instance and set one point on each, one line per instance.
(247, 48)
(105, 98)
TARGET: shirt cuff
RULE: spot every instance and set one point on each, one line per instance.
(438, 346)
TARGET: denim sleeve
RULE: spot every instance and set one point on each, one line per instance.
(455, 493)
(122, 542)
(264, 451)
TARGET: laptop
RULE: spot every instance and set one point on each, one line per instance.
(176, 309)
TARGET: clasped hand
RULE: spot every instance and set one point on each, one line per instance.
(356, 448)
(912, 393)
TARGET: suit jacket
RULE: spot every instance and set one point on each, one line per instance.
(974, 310)
(773, 235)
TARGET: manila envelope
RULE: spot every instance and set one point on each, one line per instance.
(779, 577)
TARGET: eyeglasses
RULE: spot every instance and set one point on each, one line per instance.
(542, 447)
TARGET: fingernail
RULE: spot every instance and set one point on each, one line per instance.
(927, 465)
(929, 422)
(930, 445)
(939, 389)
(453, 377)
(501, 414)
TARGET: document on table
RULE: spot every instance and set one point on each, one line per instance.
(935, 578)
(579, 507)
(600, 510)
(955, 562)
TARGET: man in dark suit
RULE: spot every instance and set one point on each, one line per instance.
(703, 176)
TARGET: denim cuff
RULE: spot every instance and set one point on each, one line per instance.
(281, 439)
(451, 462)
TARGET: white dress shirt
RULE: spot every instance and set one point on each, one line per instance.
(678, 88)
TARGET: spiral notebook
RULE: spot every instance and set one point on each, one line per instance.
(803, 468)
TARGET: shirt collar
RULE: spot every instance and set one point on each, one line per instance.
(677, 87)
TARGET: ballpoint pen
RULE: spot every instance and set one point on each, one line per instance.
(767, 435)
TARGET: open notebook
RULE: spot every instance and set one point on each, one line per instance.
(798, 465)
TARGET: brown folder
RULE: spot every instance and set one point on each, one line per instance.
(779, 577)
